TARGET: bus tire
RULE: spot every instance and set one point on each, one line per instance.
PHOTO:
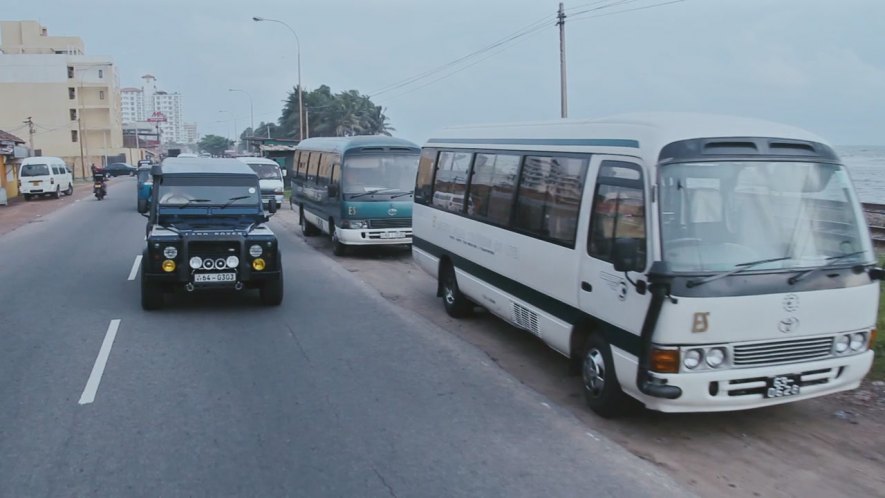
(338, 249)
(456, 304)
(602, 391)
(307, 229)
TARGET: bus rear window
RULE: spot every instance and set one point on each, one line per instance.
(35, 170)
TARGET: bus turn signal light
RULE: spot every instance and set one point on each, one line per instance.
(872, 339)
(665, 360)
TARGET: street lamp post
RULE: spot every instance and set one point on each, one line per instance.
(251, 109)
(236, 138)
(300, 101)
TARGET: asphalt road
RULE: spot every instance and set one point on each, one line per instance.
(334, 393)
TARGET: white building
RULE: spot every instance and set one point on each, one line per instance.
(190, 133)
(139, 104)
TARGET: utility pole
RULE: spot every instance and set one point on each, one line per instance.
(560, 16)
(31, 131)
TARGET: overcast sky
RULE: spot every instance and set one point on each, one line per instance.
(818, 64)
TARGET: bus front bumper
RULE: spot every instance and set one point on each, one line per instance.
(745, 388)
(374, 236)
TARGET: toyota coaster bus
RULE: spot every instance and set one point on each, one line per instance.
(358, 190)
(692, 262)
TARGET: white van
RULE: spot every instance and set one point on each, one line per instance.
(270, 178)
(45, 176)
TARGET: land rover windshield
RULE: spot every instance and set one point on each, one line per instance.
(187, 193)
(762, 216)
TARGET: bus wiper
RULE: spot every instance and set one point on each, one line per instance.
(410, 192)
(830, 262)
(233, 200)
(738, 268)
(190, 201)
(370, 192)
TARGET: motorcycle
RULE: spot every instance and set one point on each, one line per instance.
(99, 186)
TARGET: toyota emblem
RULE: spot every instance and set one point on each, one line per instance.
(392, 211)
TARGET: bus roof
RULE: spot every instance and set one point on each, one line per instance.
(637, 134)
(363, 143)
(204, 165)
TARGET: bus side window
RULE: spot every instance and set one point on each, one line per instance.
(451, 179)
(424, 179)
(313, 166)
(618, 211)
(325, 171)
(549, 197)
(492, 186)
(336, 172)
(302, 164)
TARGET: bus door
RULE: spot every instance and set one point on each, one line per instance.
(618, 219)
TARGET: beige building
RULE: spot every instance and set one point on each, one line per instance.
(73, 99)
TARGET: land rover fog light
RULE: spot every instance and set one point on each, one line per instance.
(168, 266)
(858, 341)
(715, 357)
(258, 264)
(665, 360)
(170, 252)
(842, 343)
(692, 358)
(255, 250)
(196, 262)
(233, 261)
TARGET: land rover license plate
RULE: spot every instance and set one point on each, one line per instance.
(781, 386)
(215, 277)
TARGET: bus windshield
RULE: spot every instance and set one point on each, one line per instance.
(267, 171)
(377, 172)
(717, 216)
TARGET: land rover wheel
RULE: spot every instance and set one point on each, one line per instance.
(151, 293)
(456, 304)
(602, 391)
(271, 292)
(142, 206)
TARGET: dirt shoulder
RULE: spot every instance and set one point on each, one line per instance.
(832, 446)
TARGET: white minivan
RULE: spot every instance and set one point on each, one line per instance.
(44, 176)
(270, 178)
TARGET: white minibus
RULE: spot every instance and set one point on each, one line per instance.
(692, 262)
(44, 176)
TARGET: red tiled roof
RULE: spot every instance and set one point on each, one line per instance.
(9, 137)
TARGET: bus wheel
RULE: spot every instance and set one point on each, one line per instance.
(457, 305)
(602, 390)
(307, 229)
(338, 249)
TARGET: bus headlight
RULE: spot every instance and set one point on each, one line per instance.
(842, 343)
(196, 262)
(858, 341)
(354, 224)
(170, 252)
(692, 358)
(255, 250)
(715, 357)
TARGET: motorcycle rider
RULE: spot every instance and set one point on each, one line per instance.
(99, 175)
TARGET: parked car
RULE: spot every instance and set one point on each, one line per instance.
(120, 169)
(45, 176)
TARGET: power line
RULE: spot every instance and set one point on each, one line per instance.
(580, 17)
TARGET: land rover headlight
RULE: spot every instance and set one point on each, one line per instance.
(692, 358)
(858, 341)
(842, 343)
(196, 262)
(258, 264)
(170, 252)
(255, 250)
(168, 266)
(715, 357)
(233, 261)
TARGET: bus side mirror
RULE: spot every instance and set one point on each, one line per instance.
(332, 190)
(285, 172)
(626, 255)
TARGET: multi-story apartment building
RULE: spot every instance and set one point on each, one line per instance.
(73, 99)
(190, 133)
(139, 104)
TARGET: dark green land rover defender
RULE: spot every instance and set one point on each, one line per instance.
(206, 230)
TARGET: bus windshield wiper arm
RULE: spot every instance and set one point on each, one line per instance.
(410, 192)
(370, 192)
(830, 262)
(738, 268)
(190, 201)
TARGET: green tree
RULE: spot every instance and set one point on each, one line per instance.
(329, 115)
(215, 145)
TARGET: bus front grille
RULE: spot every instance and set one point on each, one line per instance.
(786, 351)
(391, 223)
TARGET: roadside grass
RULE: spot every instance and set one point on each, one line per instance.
(878, 371)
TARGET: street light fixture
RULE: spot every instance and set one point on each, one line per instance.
(251, 109)
(300, 101)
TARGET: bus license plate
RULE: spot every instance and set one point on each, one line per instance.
(781, 386)
(215, 277)
(392, 235)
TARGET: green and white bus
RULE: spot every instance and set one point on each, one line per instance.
(358, 190)
(693, 262)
